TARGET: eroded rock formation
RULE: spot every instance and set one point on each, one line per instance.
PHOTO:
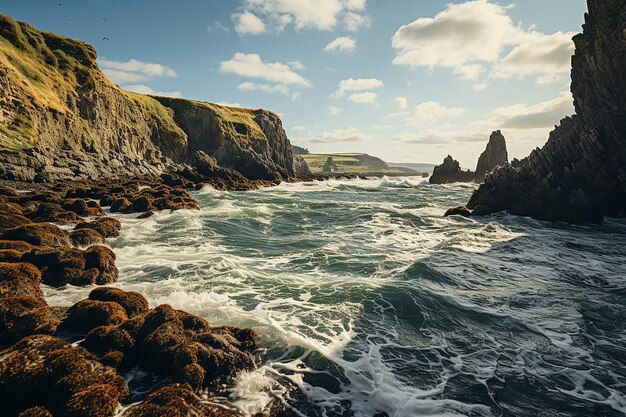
(580, 173)
(494, 155)
(450, 171)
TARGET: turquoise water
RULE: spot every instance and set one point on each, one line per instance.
(371, 303)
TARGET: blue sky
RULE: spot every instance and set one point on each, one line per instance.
(406, 80)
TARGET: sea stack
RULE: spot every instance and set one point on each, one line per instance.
(330, 166)
(450, 171)
(579, 175)
(494, 155)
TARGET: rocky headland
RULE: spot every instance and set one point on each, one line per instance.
(74, 147)
(579, 175)
(495, 154)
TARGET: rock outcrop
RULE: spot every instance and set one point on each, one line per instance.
(580, 173)
(450, 171)
(329, 165)
(494, 155)
(61, 118)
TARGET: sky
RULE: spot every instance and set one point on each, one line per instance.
(404, 80)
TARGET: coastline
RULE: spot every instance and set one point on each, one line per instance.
(88, 332)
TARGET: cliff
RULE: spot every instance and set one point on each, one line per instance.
(580, 173)
(60, 117)
(494, 155)
(450, 171)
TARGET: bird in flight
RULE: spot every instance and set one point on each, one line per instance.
(106, 39)
(105, 19)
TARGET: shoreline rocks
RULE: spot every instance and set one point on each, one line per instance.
(449, 172)
(579, 175)
(495, 155)
(41, 373)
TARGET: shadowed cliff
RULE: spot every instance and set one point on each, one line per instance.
(580, 174)
(61, 117)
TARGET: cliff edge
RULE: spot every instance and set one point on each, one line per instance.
(61, 117)
(580, 173)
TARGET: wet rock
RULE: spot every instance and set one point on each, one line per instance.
(12, 308)
(52, 212)
(143, 203)
(177, 400)
(38, 411)
(177, 345)
(86, 237)
(133, 302)
(19, 279)
(106, 226)
(494, 155)
(45, 371)
(83, 207)
(578, 176)
(10, 220)
(120, 205)
(449, 172)
(43, 320)
(59, 267)
(458, 211)
(39, 234)
(146, 215)
(16, 245)
(86, 315)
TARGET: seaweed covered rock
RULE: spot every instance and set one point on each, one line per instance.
(176, 400)
(177, 345)
(39, 234)
(19, 279)
(86, 315)
(105, 226)
(43, 371)
(133, 302)
(86, 237)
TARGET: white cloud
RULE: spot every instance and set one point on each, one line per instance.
(144, 89)
(364, 98)
(523, 125)
(470, 37)
(133, 71)
(334, 111)
(426, 114)
(247, 23)
(296, 65)
(353, 21)
(359, 84)
(251, 65)
(355, 4)
(343, 44)
(401, 102)
(547, 56)
(266, 88)
(307, 14)
(351, 134)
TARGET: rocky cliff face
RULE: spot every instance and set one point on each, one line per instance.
(450, 171)
(494, 155)
(580, 174)
(60, 117)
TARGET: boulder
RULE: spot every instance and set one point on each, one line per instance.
(106, 226)
(449, 172)
(86, 315)
(19, 279)
(39, 234)
(177, 400)
(458, 211)
(43, 371)
(86, 237)
(132, 302)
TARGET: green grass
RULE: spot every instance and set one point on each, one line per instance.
(18, 135)
(350, 163)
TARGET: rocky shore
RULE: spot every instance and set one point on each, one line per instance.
(57, 361)
(579, 175)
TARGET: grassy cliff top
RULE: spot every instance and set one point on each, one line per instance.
(43, 70)
(235, 122)
(353, 163)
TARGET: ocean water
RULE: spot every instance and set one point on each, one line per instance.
(370, 303)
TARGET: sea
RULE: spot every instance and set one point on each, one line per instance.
(369, 302)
